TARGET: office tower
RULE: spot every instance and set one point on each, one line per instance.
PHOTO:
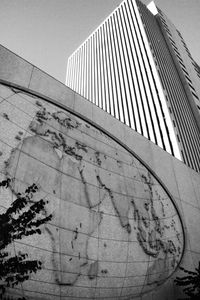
(180, 79)
(136, 66)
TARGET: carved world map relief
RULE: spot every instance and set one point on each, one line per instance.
(115, 232)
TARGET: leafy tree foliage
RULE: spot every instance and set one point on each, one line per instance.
(23, 218)
(191, 283)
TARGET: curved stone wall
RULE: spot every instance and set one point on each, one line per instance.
(115, 231)
(64, 153)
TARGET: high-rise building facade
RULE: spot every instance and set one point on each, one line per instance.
(180, 79)
(131, 67)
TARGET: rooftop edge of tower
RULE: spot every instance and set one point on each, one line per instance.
(152, 7)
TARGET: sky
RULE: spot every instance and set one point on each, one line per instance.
(46, 32)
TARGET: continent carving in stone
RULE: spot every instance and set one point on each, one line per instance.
(109, 211)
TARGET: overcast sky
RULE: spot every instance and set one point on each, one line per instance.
(46, 32)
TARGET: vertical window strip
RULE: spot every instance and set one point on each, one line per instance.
(106, 82)
(150, 105)
(135, 78)
(195, 160)
(84, 71)
(125, 79)
(194, 131)
(117, 72)
(140, 75)
(183, 156)
(100, 76)
(74, 73)
(161, 80)
(121, 73)
(79, 70)
(140, 91)
(187, 160)
(99, 79)
(86, 67)
(182, 119)
(153, 85)
(153, 123)
(96, 71)
(92, 70)
(77, 81)
(153, 88)
(75, 68)
(111, 73)
(194, 145)
(116, 99)
(179, 114)
(182, 128)
(88, 75)
(171, 135)
(79, 66)
(131, 64)
(158, 88)
(102, 73)
(195, 149)
(191, 129)
(127, 71)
